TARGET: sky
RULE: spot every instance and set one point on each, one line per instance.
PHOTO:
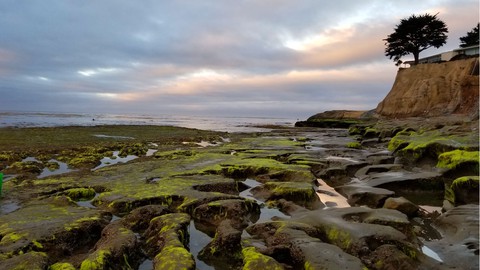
(264, 58)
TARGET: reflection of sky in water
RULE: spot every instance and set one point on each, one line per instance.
(106, 161)
(266, 214)
(63, 168)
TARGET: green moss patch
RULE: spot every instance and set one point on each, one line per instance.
(454, 159)
(253, 259)
(354, 145)
(414, 146)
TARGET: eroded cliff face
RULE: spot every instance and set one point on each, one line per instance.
(436, 89)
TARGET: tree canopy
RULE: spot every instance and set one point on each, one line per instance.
(414, 35)
(472, 38)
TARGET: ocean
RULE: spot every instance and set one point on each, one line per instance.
(217, 123)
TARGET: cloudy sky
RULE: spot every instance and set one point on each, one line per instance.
(265, 58)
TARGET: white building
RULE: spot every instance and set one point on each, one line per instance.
(447, 56)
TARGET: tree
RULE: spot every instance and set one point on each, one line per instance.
(414, 35)
(472, 38)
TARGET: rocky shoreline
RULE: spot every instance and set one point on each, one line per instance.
(379, 195)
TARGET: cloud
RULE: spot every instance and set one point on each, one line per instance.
(272, 57)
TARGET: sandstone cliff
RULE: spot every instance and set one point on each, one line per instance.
(436, 89)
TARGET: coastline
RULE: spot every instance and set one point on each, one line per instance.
(231, 191)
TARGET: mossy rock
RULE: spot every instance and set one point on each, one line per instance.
(225, 249)
(170, 230)
(97, 261)
(463, 190)
(300, 193)
(84, 161)
(62, 266)
(236, 209)
(137, 149)
(174, 154)
(174, 258)
(77, 194)
(52, 165)
(460, 160)
(32, 167)
(413, 146)
(371, 132)
(253, 259)
(27, 261)
(354, 145)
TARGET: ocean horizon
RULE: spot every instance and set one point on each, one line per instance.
(216, 123)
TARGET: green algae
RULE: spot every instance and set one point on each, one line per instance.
(354, 145)
(61, 266)
(11, 237)
(80, 193)
(453, 159)
(415, 145)
(25, 167)
(252, 259)
(137, 149)
(96, 261)
(371, 132)
(340, 238)
(460, 185)
(174, 258)
(300, 193)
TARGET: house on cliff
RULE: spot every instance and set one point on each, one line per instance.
(447, 56)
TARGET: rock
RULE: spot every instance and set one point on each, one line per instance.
(463, 190)
(372, 169)
(459, 246)
(239, 211)
(170, 230)
(320, 255)
(403, 205)
(380, 159)
(174, 258)
(54, 224)
(300, 193)
(345, 235)
(117, 246)
(360, 194)
(225, 248)
(290, 243)
(406, 181)
(31, 261)
(139, 218)
(253, 259)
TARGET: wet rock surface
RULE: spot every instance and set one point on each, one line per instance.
(288, 199)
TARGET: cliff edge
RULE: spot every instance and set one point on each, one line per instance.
(437, 89)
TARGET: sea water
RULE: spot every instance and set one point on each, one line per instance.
(216, 123)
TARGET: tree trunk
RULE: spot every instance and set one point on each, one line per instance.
(415, 56)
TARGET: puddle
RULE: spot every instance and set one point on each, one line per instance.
(430, 253)
(146, 265)
(329, 196)
(112, 137)
(198, 240)
(150, 152)
(87, 203)
(266, 214)
(63, 168)
(8, 207)
(204, 144)
(107, 161)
